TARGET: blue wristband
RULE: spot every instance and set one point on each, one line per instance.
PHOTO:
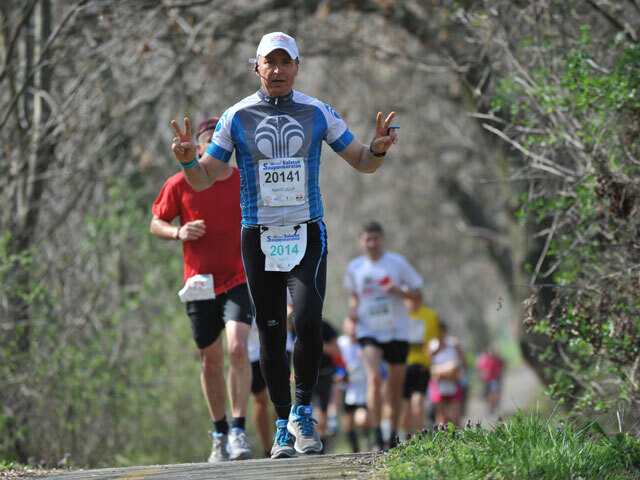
(190, 164)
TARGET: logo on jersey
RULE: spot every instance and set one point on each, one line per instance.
(222, 121)
(279, 136)
(332, 111)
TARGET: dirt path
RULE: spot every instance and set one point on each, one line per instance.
(520, 391)
(350, 466)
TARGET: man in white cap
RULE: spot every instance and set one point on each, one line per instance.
(277, 135)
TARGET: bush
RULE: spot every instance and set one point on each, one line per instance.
(576, 121)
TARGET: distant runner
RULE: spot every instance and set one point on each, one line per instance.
(447, 369)
(355, 389)
(490, 366)
(378, 282)
(423, 326)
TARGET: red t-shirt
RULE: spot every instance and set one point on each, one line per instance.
(218, 250)
(490, 367)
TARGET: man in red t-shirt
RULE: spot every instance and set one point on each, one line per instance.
(215, 290)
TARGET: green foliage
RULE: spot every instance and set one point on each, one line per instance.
(107, 379)
(11, 264)
(26, 291)
(592, 95)
(577, 118)
(524, 447)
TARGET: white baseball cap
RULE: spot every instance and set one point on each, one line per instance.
(275, 40)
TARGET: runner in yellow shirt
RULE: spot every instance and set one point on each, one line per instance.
(423, 326)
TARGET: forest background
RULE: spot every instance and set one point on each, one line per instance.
(514, 191)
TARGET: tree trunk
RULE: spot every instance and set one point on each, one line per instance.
(37, 152)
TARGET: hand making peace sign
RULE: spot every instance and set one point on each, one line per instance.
(384, 136)
(183, 147)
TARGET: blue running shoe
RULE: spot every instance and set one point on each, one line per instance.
(301, 426)
(282, 442)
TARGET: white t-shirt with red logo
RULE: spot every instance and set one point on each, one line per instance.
(382, 316)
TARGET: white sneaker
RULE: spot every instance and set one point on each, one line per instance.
(239, 446)
(219, 451)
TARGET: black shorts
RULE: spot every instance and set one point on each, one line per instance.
(350, 408)
(415, 380)
(393, 352)
(322, 391)
(209, 316)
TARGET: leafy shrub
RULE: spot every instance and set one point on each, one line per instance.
(577, 123)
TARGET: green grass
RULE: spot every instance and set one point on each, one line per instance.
(524, 447)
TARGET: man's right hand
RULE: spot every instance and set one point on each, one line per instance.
(183, 147)
(192, 230)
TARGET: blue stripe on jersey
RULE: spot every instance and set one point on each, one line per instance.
(246, 165)
(343, 142)
(323, 236)
(218, 152)
(313, 165)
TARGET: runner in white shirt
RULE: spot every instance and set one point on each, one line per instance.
(355, 390)
(378, 282)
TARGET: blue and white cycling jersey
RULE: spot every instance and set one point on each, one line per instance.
(278, 143)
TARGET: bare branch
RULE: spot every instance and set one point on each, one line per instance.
(545, 249)
(26, 14)
(542, 163)
(631, 35)
(40, 63)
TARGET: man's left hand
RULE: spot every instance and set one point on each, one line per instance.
(384, 137)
